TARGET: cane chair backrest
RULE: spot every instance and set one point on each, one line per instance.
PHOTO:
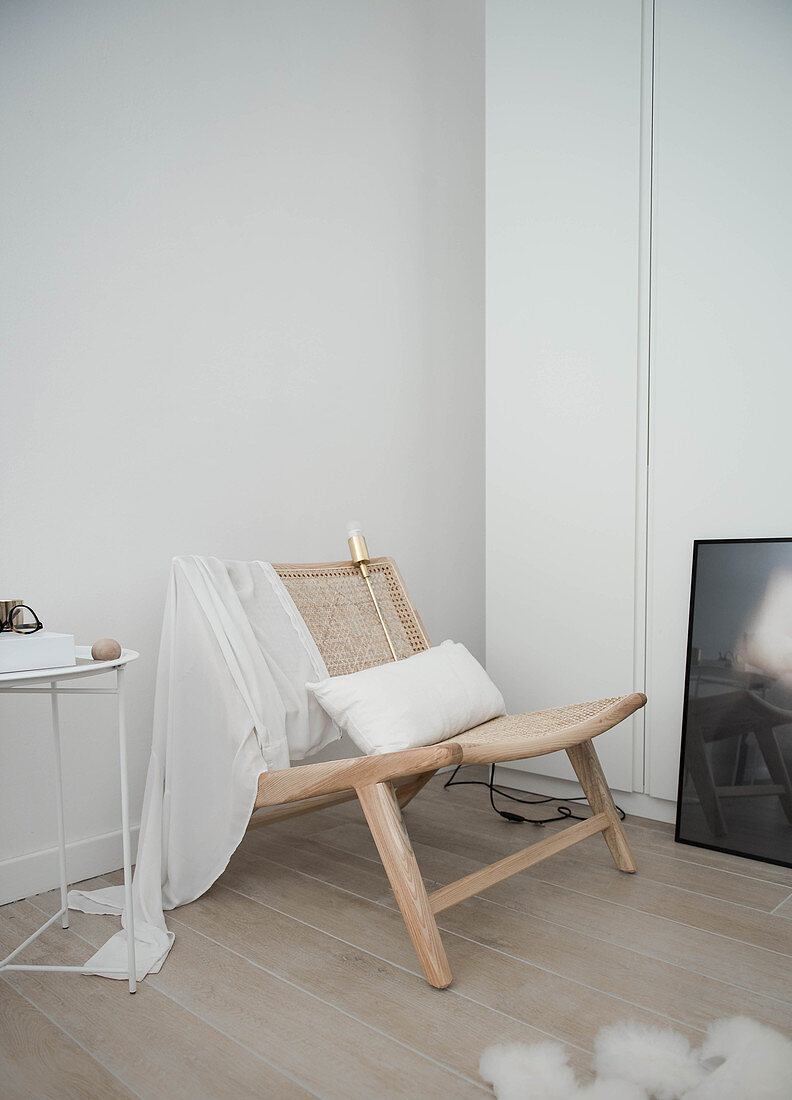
(335, 603)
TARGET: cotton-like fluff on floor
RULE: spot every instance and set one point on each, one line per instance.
(740, 1059)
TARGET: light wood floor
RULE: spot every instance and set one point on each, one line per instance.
(294, 976)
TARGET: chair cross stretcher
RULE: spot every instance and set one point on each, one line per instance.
(337, 609)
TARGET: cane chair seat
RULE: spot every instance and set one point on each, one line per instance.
(519, 736)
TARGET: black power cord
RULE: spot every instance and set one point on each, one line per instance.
(517, 819)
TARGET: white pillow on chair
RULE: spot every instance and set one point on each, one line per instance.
(418, 701)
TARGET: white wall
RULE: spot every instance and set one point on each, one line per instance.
(721, 383)
(563, 145)
(567, 292)
(242, 301)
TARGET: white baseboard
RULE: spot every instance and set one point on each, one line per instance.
(642, 805)
(37, 872)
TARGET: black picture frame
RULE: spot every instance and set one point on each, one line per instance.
(727, 694)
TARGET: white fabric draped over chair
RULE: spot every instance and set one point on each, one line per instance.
(230, 704)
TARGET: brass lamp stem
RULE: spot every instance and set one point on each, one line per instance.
(360, 556)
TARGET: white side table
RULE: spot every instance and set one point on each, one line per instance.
(49, 681)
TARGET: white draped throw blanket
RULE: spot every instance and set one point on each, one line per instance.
(230, 704)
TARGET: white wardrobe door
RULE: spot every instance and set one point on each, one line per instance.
(721, 373)
(563, 130)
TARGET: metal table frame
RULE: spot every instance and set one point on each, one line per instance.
(49, 682)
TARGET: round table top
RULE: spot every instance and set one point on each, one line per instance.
(85, 666)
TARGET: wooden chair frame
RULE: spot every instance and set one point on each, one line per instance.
(337, 609)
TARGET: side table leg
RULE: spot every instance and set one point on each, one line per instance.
(128, 905)
(59, 804)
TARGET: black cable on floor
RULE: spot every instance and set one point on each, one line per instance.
(562, 811)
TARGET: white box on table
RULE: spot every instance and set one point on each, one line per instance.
(44, 649)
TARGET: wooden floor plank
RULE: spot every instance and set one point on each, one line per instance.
(579, 868)
(656, 867)
(38, 1059)
(668, 935)
(645, 834)
(389, 997)
(675, 990)
(154, 1046)
(785, 909)
(294, 976)
(550, 986)
(333, 1052)
(566, 1011)
(450, 1027)
(663, 843)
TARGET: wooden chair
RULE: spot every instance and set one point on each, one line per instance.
(335, 604)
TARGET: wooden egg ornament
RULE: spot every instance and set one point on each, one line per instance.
(106, 649)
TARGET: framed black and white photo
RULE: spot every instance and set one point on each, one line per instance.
(734, 777)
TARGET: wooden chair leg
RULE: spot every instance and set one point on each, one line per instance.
(588, 769)
(387, 827)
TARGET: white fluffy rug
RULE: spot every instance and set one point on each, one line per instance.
(740, 1059)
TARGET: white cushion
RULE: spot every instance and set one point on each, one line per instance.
(418, 701)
